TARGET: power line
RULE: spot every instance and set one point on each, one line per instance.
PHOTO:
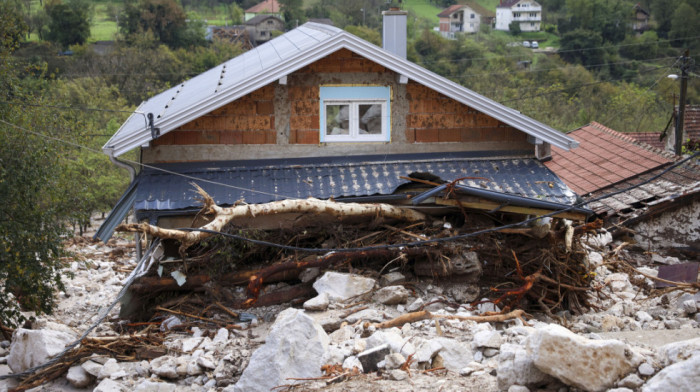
(143, 165)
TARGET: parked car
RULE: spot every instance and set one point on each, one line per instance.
(526, 44)
(535, 45)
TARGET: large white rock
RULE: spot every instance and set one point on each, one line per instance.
(392, 295)
(107, 385)
(488, 339)
(317, 303)
(342, 286)
(78, 377)
(295, 347)
(31, 347)
(679, 351)
(165, 366)
(455, 354)
(591, 365)
(681, 376)
(154, 386)
(515, 367)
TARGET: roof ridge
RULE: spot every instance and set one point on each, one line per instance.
(623, 136)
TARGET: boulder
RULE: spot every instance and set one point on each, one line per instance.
(679, 351)
(392, 295)
(341, 287)
(154, 386)
(515, 367)
(108, 369)
(681, 376)
(488, 339)
(78, 377)
(391, 279)
(294, 347)
(108, 385)
(30, 347)
(317, 303)
(394, 361)
(591, 365)
(165, 366)
(455, 354)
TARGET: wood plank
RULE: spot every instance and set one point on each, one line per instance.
(489, 206)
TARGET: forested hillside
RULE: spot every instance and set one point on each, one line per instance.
(63, 95)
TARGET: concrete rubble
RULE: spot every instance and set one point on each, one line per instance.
(632, 340)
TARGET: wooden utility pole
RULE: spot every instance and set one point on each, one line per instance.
(685, 64)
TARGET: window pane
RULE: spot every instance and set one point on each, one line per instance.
(337, 119)
(370, 119)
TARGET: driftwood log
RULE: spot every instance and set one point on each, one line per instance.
(224, 215)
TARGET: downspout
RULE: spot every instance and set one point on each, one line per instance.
(132, 176)
(123, 165)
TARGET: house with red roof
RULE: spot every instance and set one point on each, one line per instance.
(464, 18)
(267, 7)
(663, 209)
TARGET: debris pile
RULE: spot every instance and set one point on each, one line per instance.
(498, 311)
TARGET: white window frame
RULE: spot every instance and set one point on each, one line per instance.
(354, 96)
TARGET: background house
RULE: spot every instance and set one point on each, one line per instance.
(527, 13)
(320, 112)
(260, 28)
(464, 18)
(267, 7)
(640, 19)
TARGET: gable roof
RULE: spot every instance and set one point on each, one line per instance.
(449, 10)
(471, 4)
(260, 18)
(271, 6)
(604, 157)
(510, 3)
(281, 56)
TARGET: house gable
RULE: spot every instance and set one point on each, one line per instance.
(280, 59)
(259, 124)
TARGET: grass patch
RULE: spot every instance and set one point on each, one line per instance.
(423, 9)
(489, 4)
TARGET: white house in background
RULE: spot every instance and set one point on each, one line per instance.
(526, 12)
(463, 18)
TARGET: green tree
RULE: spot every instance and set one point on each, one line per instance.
(582, 46)
(514, 28)
(69, 23)
(292, 12)
(662, 13)
(685, 27)
(164, 19)
(31, 227)
(235, 12)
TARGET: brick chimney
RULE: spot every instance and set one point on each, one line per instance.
(394, 31)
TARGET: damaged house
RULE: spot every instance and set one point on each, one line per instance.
(320, 113)
(661, 215)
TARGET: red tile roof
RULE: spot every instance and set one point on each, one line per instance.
(650, 138)
(471, 4)
(449, 10)
(269, 6)
(604, 157)
(692, 121)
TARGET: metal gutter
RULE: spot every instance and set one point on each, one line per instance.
(118, 213)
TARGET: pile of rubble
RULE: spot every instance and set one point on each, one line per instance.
(371, 334)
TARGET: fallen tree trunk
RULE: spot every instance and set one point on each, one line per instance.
(310, 206)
